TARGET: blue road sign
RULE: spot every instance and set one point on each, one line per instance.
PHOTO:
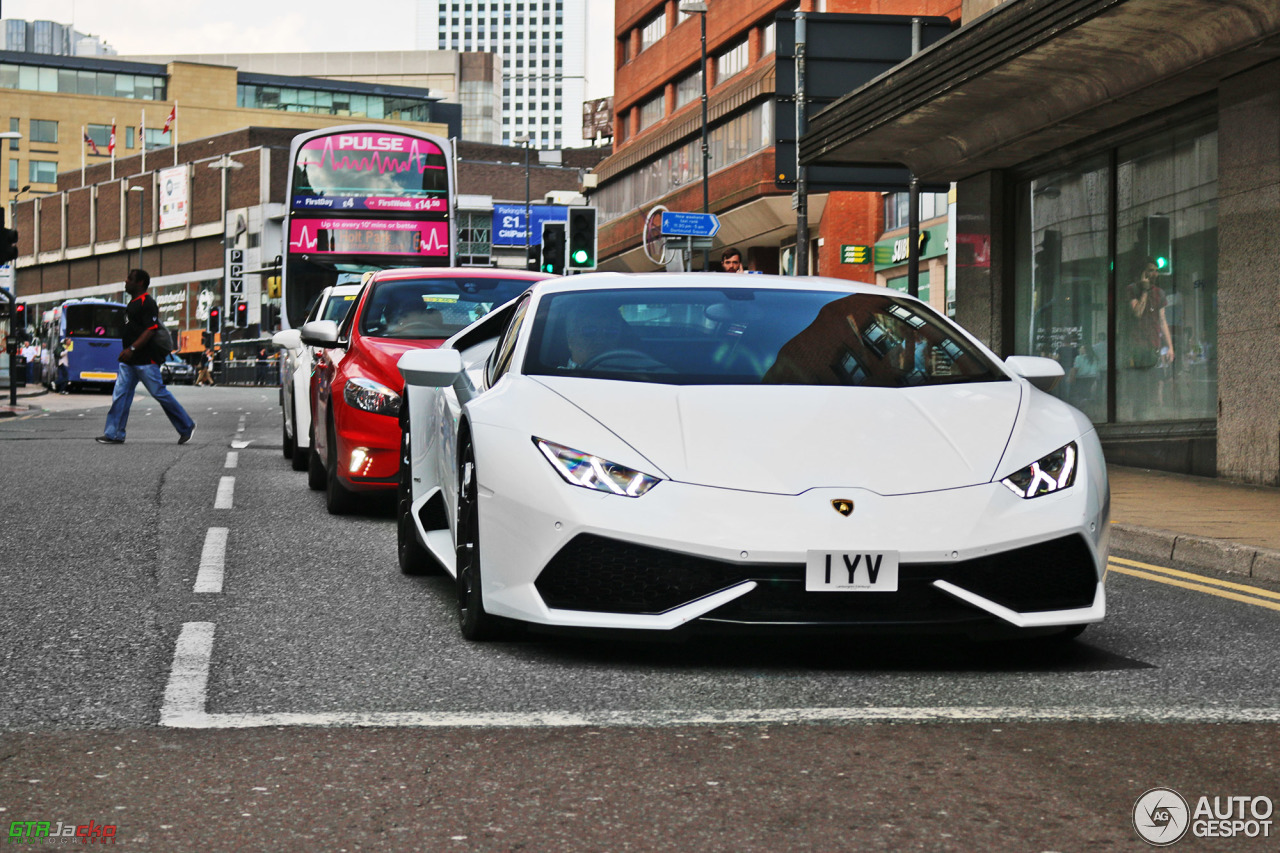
(675, 224)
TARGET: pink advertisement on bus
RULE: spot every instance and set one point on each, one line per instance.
(369, 237)
(368, 170)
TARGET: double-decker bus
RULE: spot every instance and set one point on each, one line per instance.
(363, 198)
(81, 343)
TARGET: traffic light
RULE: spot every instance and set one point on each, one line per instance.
(215, 320)
(1048, 260)
(19, 316)
(582, 238)
(1159, 242)
(533, 259)
(206, 339)
(242, 315)
(553, 248)
(8, 242)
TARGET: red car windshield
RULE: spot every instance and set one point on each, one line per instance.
(433, 307)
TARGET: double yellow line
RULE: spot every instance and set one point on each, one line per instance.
(1199, 583)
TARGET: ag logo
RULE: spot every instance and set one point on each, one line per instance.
(844, 506)
(1161, 816)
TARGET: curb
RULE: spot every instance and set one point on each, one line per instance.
(1199, 552)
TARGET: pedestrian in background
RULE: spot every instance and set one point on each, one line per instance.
(205, 376)
(731, 260)
(140, 362)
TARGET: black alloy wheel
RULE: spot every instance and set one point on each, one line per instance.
(475, 622)
(413, 558)
(337, 498)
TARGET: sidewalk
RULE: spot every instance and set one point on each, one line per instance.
(1196, 522)
(1156, 517)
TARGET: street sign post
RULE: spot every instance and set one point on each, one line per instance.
(677, 224)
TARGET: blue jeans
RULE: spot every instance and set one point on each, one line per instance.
(127, 378)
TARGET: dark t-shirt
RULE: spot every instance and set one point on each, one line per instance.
(139, 315)
(1146, 329)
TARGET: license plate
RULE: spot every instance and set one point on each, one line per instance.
(851, 571)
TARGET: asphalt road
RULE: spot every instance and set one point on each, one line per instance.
(322, 698)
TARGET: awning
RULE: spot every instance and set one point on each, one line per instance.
(1032, 76)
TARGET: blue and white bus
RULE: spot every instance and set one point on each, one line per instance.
(81, 344)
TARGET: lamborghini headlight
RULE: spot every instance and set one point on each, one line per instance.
(1047, 475)
(369, 396)
(592, 472)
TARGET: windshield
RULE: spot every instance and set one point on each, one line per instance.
(94, 321)
(337, 307)
(743, 336)
(305, 277)
(433, 307)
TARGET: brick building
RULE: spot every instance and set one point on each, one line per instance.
(657, 136)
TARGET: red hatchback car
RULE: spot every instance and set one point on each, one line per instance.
(355, 388)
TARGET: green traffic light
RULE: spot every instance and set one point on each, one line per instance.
(580, 256)
(1162, 263)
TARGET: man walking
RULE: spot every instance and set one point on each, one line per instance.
(140, 362)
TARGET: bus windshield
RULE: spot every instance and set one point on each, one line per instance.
(94, 321)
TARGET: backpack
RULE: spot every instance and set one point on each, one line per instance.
(161, 339)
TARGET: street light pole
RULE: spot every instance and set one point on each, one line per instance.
(142, 193)
(700, 8)
(528, 228)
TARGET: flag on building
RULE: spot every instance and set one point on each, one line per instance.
(168, 123)
(111, 144)
(93, 146)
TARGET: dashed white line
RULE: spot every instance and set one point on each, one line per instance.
(184, 695)
(213, 560)
(233, 459)
(226, 493)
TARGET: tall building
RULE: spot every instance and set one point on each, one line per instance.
(49, 37)
(542, 44)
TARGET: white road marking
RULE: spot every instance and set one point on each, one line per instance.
(226, 491)
(241, 445)
(213, 560)
(184, 695)
(233, 459)
(198, 719)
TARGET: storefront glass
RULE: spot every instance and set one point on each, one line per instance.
(1070, 252)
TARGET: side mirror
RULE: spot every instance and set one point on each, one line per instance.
(432, 368)
(1043, 373)
(319, 333)
(288, 339)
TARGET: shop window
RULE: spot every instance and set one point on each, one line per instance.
(1157, 350)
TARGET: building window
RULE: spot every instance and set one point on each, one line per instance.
(14, 124)
(689, 88)
(731, 62)
(651, 111)
(101, 136)
(1165, 202)
(42, 171)
(44, 131)
(897, 208)
(769, 39)
(70, 81)
(475, 237)
(652, 30)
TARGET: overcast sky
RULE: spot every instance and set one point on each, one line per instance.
(255, 26)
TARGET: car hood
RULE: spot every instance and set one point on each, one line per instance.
(378, 357)
(786, 439)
